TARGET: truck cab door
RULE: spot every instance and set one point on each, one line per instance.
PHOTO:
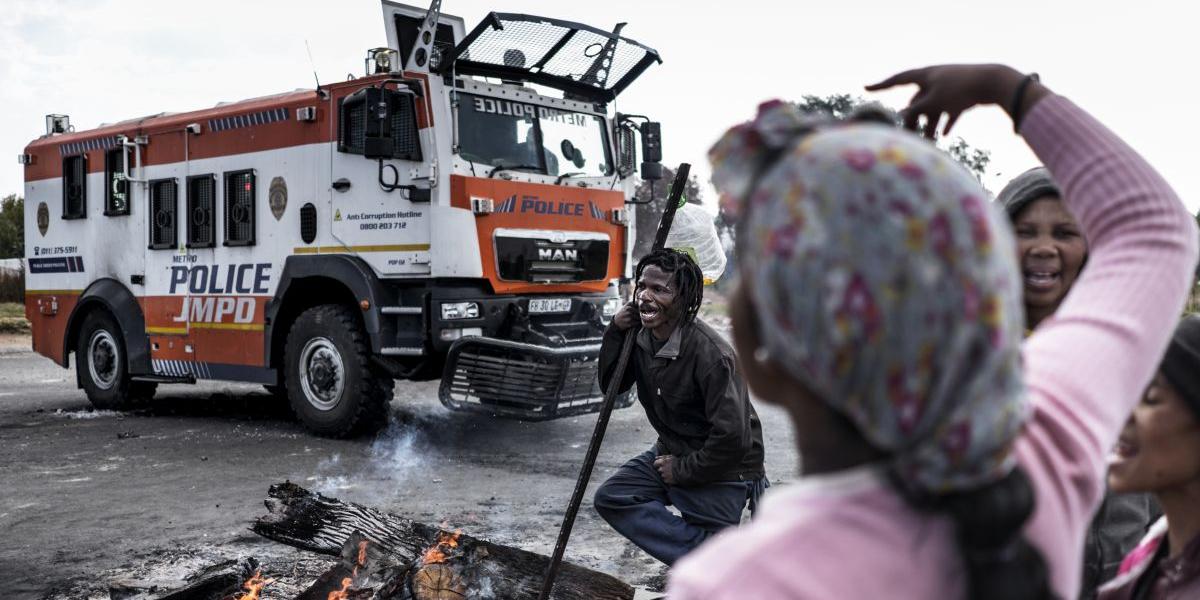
(382, 174)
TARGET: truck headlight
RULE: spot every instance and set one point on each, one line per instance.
(460, 310)
(611, 306)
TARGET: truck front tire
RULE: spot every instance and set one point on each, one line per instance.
(328, 377)
(103, 366)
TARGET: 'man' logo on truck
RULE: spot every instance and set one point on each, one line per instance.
(557, 254)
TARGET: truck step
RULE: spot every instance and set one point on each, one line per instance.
(163, 379)
(400, 310)
(402, 351)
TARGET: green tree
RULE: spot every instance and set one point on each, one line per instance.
(648, 214)
(841, 106)
(12, 227)
(974, 159)
(838, 106)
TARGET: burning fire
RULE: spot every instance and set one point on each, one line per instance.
(346, 581)
(437, 552)
(254, 586)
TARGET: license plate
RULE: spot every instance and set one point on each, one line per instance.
(549, 305)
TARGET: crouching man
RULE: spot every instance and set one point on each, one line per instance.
(708, 460)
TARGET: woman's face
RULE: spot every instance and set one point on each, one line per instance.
(1050, 251)
(1159, 447)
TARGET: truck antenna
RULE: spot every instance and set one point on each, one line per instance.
(313, 64)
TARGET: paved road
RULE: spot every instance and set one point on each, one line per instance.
(92, 498)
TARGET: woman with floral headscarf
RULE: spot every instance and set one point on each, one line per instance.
(880, 305)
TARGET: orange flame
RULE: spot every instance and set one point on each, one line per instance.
(341, 594)
(254, 586)
(437, 552)
(346, 581)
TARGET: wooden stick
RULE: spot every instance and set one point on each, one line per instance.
(610, 395)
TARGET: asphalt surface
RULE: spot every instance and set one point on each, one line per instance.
(93, 500)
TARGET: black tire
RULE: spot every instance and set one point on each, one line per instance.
(331, 386)
(103, 367)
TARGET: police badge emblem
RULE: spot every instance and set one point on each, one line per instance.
(43, 218)
(277, 197)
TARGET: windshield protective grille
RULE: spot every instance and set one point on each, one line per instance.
(585, 62)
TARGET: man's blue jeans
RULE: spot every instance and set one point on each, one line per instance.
(635, 499)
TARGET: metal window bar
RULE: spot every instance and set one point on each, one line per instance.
(164, 208)
(555, 53)
(116, 189)
(202, 211)
(352, 126)
(405, 144)
(308, 223)
(75, 187)
(239, 208)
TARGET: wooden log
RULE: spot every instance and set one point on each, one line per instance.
(365, 571)
(223, 580)
(300, 518)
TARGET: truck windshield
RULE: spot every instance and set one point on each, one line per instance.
(507, 133)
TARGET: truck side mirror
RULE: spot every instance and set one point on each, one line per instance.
(377, 139)
(652, 151)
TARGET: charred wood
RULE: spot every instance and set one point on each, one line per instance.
(217, 582)
(477, 568)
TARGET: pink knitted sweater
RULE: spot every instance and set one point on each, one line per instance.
(848, 535)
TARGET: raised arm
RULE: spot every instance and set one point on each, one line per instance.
(1100, 349)
(1087, 365)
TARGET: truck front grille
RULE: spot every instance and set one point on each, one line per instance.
(542, 260)
(524, 381)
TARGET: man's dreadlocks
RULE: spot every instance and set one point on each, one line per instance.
(684, 273)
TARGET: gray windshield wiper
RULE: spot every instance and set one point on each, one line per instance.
(566, 175)
(513, 168)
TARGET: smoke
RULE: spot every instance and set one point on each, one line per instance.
(382, 472)
(482, 589)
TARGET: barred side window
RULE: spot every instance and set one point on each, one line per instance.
(74, 182)
(239, 208)
(116, 188)
(202, 211)
(164, 206)
(406, 143)
(362, 131)
(352, 125)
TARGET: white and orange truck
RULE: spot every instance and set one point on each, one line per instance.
(458, 212)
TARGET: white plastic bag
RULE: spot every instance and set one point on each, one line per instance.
(693, 232)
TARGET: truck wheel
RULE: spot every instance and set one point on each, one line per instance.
(102, 366)
(329, 381)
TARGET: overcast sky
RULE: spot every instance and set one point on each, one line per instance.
(1132, 64)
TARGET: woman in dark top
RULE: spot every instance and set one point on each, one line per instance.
(1159, 452)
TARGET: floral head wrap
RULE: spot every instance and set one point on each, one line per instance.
(886, 282)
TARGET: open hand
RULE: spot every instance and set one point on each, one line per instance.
(665, 465)
(952, 89)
